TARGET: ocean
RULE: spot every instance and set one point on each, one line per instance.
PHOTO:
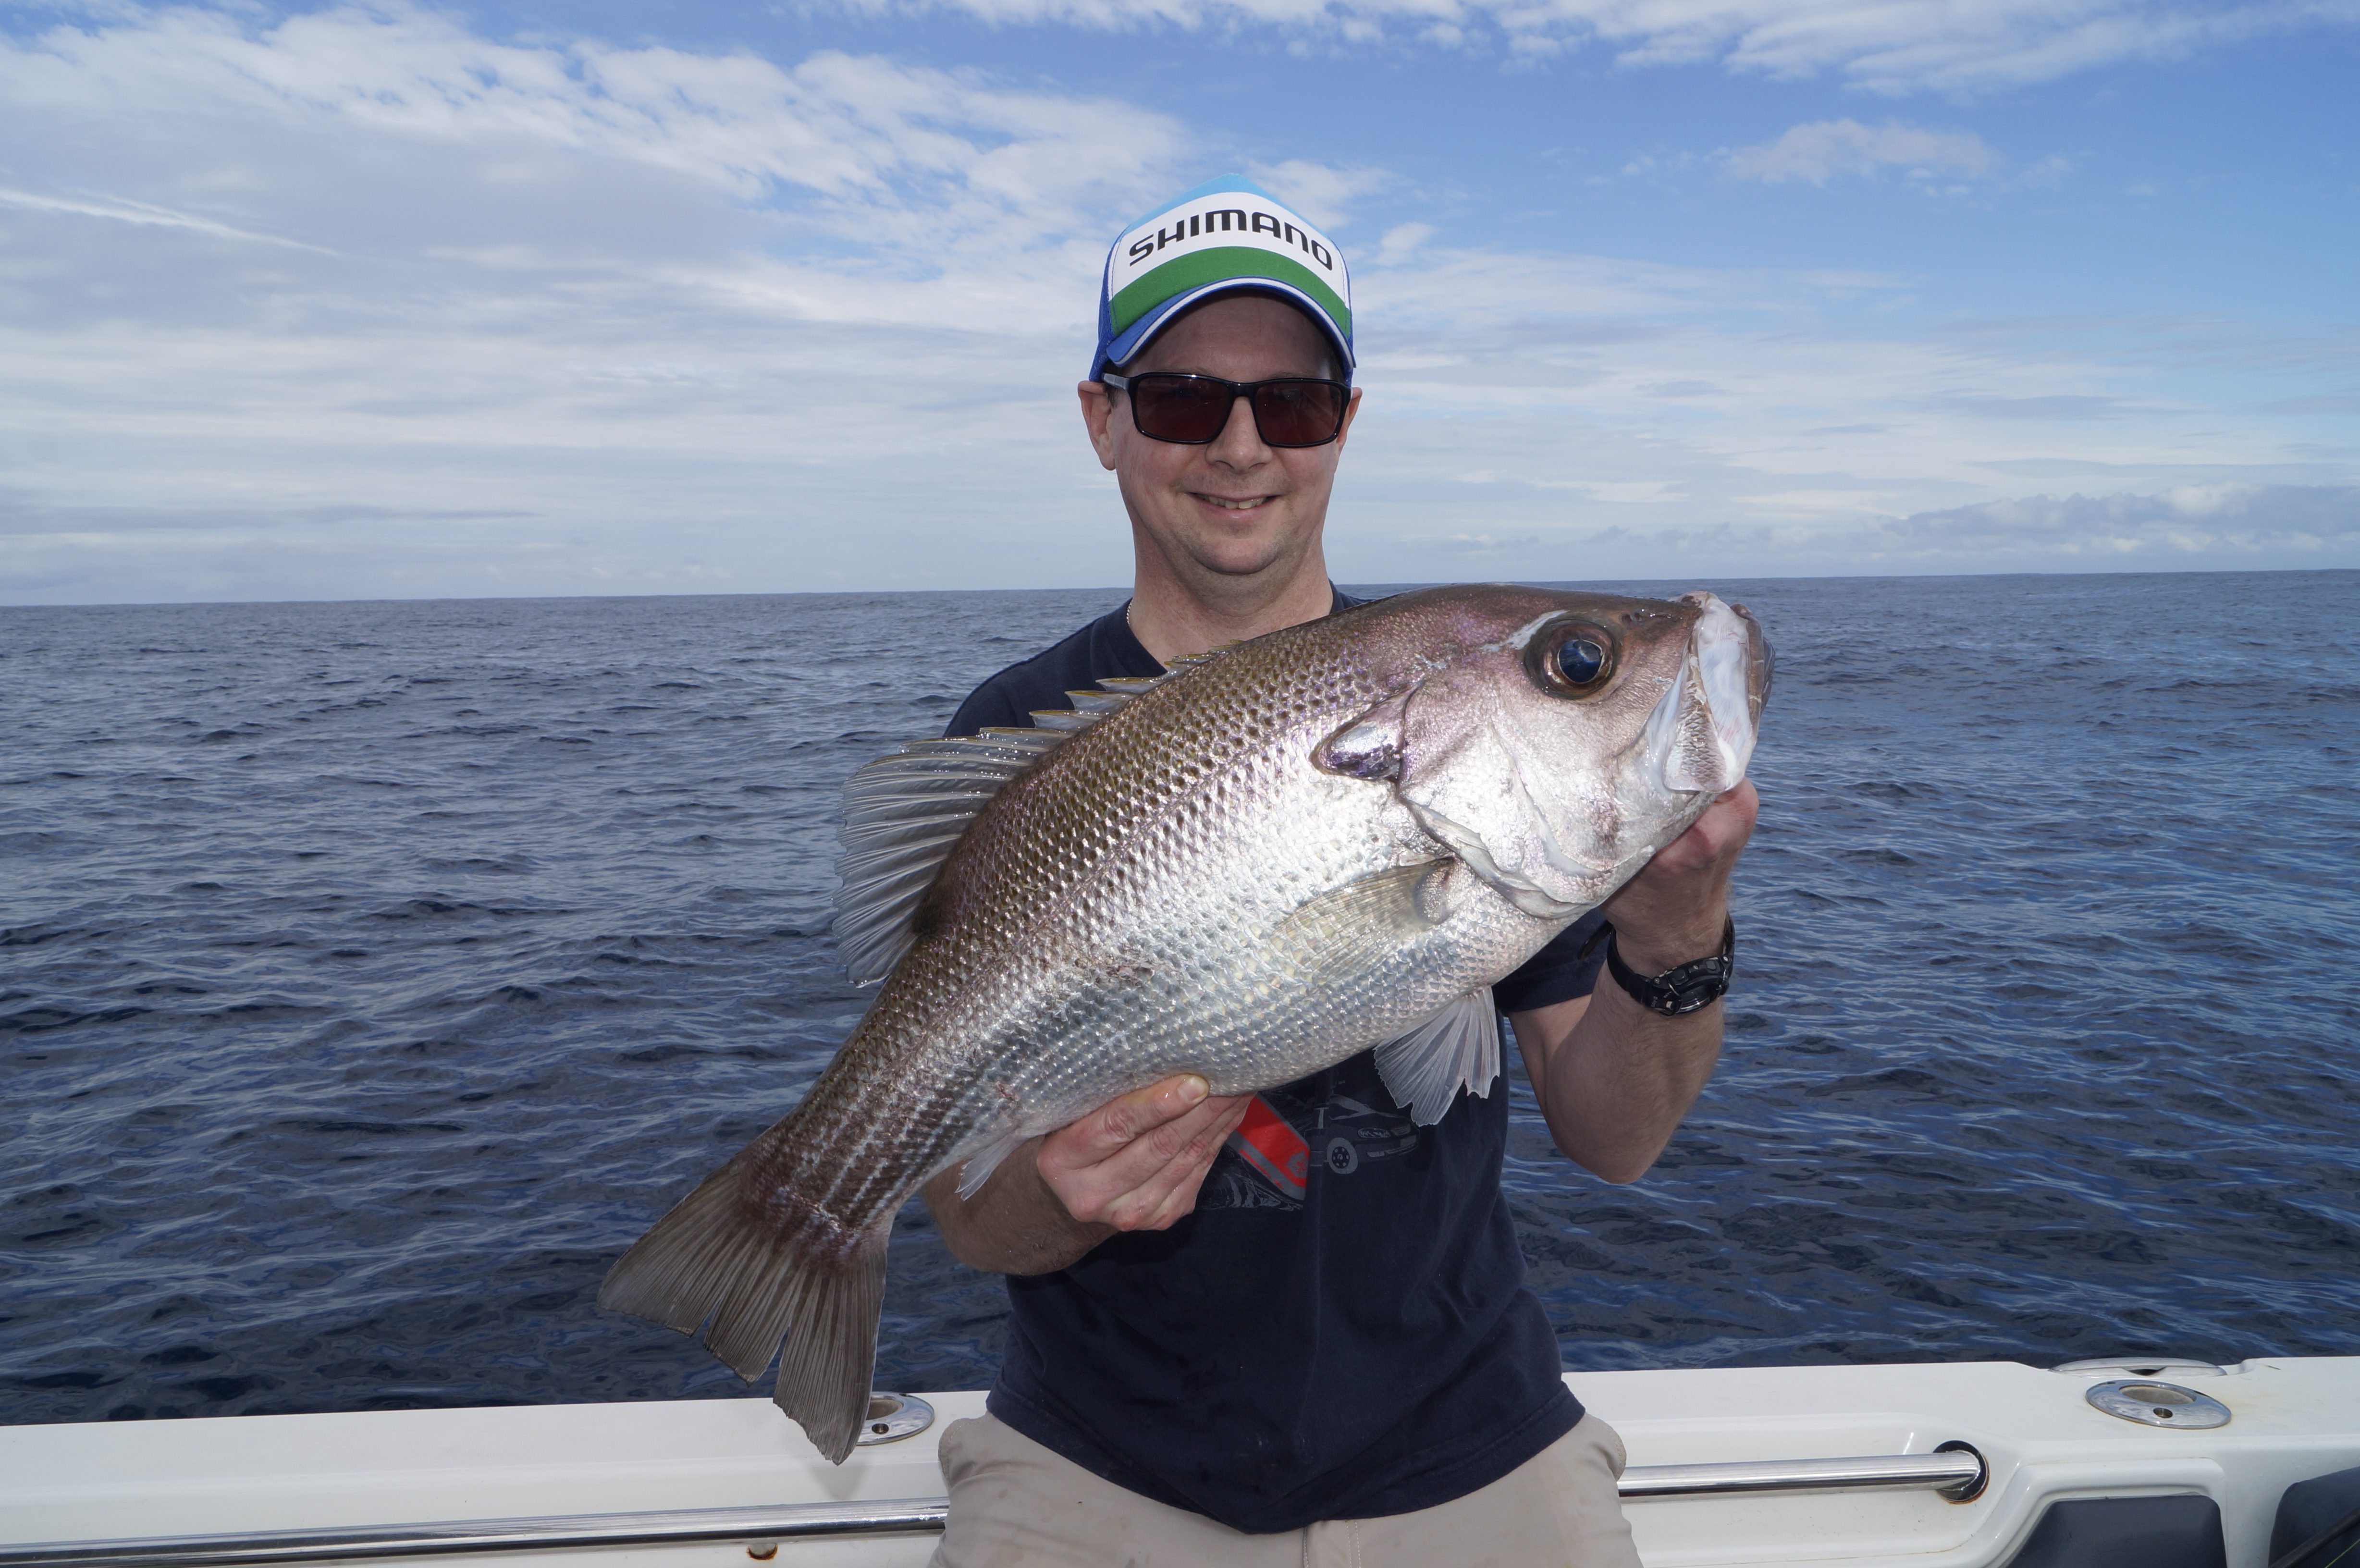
(372, 973)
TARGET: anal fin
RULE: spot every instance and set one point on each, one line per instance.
(984, 1161)
(1458, 1047)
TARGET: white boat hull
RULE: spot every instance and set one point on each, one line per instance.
(2041, 1441)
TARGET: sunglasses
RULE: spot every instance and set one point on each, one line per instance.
(1193, 410)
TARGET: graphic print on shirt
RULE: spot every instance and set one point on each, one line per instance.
(1327, 1126)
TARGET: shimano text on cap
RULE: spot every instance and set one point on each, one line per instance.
(1225, 237)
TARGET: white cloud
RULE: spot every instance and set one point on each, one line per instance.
(2047, 174)
(1397, 243)
(1901, 47)
(1645, 421)
(2211, 527)
(868, 150)
(421, 156)
(1320, 191)
(2211, 520)
(124, 211)
(1823, 150)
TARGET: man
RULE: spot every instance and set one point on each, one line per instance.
(1292, 1327)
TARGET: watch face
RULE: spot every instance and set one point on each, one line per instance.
(1703, 988)
(1686, 988)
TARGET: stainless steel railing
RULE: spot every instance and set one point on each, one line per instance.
(1957, 1472)
(784, 1521)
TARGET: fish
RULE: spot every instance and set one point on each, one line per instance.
(1332, 837)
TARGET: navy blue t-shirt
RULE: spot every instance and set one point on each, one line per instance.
(1341, 1329)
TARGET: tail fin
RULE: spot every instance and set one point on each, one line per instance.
(755, 1269)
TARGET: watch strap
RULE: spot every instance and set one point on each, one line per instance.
(1683, 989)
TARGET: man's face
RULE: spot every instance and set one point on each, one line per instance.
(1237, 506)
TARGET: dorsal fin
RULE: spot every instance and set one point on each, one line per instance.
(1194, 659)
(906, 812)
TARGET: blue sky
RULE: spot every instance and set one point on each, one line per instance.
(393, 301)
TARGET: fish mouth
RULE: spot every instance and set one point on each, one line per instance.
(1700, 737)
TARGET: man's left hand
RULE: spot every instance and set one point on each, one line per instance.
(1673, 911)
(1612, 1078)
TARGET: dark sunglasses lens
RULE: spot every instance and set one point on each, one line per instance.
(1180, 407)
(1299, 413)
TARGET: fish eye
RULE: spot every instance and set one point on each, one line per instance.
(1572, 660)
(1579, 662)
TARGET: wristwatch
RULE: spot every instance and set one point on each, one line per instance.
(1685, 988)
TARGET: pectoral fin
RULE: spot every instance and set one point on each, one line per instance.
(1362, 927)
(1459, 1048)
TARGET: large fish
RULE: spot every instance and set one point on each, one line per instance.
(1332, 837)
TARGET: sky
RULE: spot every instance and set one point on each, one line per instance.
(392, 301)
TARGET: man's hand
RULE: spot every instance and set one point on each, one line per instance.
(1613, 1079)
(1135, 1163)
(1674, 909)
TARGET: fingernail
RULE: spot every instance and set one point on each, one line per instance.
(1193, 1089)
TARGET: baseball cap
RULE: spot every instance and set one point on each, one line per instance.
(1226, 236)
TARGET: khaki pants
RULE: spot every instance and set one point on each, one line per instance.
(1014, 1502)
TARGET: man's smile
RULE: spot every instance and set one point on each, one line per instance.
(1233, 503)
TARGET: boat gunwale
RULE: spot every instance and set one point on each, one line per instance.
(1958, 1472)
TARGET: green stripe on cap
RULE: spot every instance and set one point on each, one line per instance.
(1243, 263)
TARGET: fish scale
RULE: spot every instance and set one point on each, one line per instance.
(1217, 875)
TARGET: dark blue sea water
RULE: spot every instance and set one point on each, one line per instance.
(372, 973)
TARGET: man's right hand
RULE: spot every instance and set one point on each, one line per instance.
(1135, 1163)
